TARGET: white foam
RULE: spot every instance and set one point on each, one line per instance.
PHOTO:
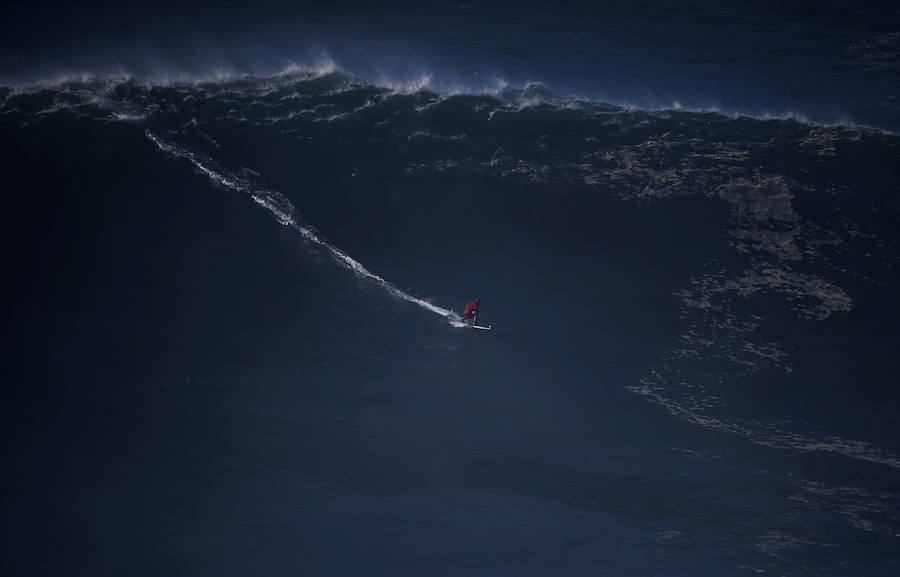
(408, 86)
(766, 434)
(323, 66)
(286, 214)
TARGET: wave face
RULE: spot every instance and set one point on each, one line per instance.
(231, 341)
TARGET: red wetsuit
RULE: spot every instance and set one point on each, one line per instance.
(471, 310)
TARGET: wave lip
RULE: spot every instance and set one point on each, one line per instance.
(443, 84)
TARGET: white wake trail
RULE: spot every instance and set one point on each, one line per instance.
(285, 213)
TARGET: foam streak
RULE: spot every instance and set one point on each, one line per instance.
(286, 214)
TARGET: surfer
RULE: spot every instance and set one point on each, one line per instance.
(471, 311)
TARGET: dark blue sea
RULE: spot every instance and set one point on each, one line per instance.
(238, 239)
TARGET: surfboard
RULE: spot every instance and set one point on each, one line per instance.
(487, 328)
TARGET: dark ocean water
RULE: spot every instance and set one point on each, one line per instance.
(231, 336)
